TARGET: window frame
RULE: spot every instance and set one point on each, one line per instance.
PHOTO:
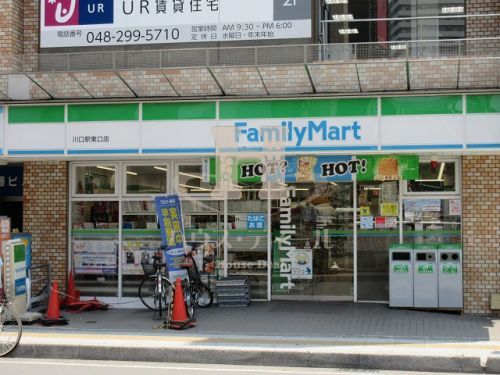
(144, 196)
(83, 196)
(438, 194)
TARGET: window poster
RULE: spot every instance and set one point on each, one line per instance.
(95, 257)
(137, 252)
(302, 266)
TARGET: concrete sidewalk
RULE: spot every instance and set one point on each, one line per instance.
(316, 334)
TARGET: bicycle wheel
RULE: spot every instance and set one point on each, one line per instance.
(204, 296)
(190, 302)
(11, 329)
(150, 296)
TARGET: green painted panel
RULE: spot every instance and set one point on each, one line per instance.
(483, 104)
(178, 111)
(103, 112)
(298, 108)
(422, 105)
(36, 114)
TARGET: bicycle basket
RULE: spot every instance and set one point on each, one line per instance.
(148, 268)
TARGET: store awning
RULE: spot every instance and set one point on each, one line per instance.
(257, 71)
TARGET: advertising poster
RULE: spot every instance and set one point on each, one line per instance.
(135, 253)
(421, 209)
(19, 268)
(389, 209)
(455, 206)
(95, 257)
(169, 213)
(302, 266)
(81, 23)
(366, 222)
(389, 167)
(309, 168)
(204, 253)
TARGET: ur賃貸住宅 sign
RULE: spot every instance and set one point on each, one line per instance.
(80, 23)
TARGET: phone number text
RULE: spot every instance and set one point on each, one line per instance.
(132, 35)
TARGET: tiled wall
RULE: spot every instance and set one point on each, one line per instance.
(481, 27)
(11, 33)
(45, 207)
(481, 231)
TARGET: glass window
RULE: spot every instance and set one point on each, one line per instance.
(347, 28)
(94, 244)
(190, 180)
(146, 179)
(99, 179)
(432, 220)
(435, 177)
(378, 221)
(321, 215)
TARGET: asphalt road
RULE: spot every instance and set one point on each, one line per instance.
(17, 366)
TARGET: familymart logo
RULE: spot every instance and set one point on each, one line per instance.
(297, 134)
(77, 12)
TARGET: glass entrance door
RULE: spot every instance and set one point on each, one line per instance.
(313, 243)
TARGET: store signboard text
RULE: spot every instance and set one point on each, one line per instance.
(80, 23)
(297, 134)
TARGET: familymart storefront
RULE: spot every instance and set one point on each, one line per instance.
(353, 177)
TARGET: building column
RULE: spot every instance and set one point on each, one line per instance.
(480, 231)
(45, 215)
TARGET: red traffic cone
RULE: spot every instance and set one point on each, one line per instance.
(179, 319)
(53, 317)
(72, 295)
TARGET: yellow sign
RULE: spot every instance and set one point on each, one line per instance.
(364, 211)
(389, 209)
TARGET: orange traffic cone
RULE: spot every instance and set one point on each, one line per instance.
(179, 319)
(71, 293)
(53, 317)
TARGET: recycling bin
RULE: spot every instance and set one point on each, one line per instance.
(450, 276)
(401, 275)
(425, 276)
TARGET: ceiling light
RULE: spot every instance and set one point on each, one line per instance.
(194, 187)
(106, 168)
(448, 10)
(190, 175)
(342, 17)
(348, 31)
(441, 170)
(336, 1)
(132, 173)
(160, 168)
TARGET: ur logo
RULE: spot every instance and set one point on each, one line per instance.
(61, 12)
(78, 12)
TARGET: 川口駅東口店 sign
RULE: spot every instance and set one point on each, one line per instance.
(81, 23)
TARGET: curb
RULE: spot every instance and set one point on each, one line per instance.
(455, 363)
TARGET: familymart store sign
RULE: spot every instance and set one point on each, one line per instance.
(329, 126)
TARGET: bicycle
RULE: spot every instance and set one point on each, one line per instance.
(196, 292)
(156, 290)
(11, 327)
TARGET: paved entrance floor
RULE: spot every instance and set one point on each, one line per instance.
(316, 334)
(303, 319)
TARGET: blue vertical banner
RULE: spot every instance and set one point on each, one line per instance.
(169, 213)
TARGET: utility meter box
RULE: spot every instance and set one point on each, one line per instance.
(450, 276)
(401, 275)
(425, 276)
